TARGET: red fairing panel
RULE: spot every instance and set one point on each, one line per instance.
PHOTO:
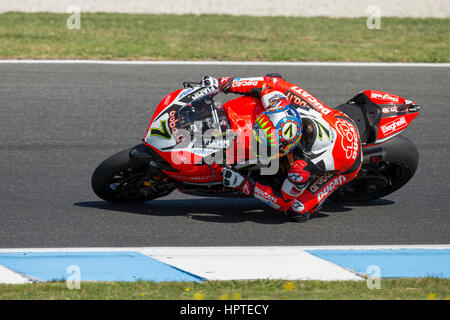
(393, 125)
(165, 103)
(183, 161)
(395, 113)
(380, 97)
(242, 113)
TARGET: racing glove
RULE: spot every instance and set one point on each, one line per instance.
(274, 75)
(298, 179)
(234, 179)
(209, 81)
(299, 175)
(225, 84)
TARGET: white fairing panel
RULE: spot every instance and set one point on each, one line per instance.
(322, 147)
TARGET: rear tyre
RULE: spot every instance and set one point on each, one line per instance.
(376, 181)
(119, 179)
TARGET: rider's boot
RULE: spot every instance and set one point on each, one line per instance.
(297, 216)
(297, 212)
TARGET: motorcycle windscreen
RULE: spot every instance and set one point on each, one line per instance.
(201, 124)
(187, 125)
(200, 130)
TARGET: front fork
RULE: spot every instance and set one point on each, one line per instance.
(153, 177)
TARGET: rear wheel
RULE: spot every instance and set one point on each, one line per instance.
(120, 179)
(378, 180)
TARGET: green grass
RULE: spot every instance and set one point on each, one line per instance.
(221, 37)
(392, 289)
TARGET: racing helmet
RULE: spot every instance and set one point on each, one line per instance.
(276, 132)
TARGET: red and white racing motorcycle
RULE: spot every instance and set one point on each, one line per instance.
(189, 128)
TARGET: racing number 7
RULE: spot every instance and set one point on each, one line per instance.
(163, 132)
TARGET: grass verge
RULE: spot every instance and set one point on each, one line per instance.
(221, 37)
(390, 289)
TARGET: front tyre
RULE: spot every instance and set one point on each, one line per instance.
(119, 179)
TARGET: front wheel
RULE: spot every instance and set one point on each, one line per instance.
(378, 180)
(120, 179)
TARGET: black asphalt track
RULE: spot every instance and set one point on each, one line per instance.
(59, 121)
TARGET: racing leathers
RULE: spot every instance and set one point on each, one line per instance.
(329, 153)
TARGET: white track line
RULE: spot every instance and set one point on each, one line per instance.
(232, 63)
(167, 249)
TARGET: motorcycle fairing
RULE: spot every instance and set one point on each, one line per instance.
(177, 115)
(236, 116)
(242, 113)
(379, 115)
(396, 113)
(192, 112)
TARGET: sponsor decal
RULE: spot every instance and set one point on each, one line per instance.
(173, 122)
(320, 181)
(244, 83)
(350, 140)
(249, 79)
(297, 100)
(265, 196)
(178, 134)
(185, 92)
(394, 126)
(190, 178)
(167, 100)
(330, 187)
(383, 96)
(246, 189)
(199, 177)
(202, 92)
(302, 94)
(201, 152)
(298, 206)
(391, 109)
(217, 143)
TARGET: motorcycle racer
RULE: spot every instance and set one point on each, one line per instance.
(323, 145)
